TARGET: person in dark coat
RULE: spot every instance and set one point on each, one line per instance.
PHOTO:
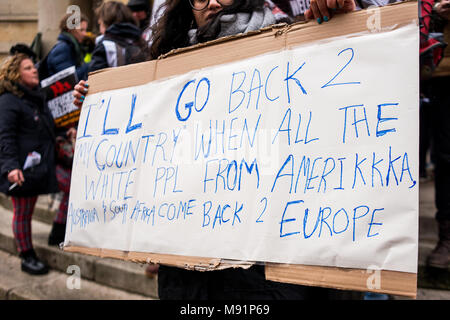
(26, 127)
(68, 51)
(437, 88)
(122, 41)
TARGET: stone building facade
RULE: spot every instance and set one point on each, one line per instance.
(22, 20)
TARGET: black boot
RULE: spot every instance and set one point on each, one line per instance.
(57, 234)
(31, 264)
(440, 257)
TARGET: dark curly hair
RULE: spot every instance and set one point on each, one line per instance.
(171, 30)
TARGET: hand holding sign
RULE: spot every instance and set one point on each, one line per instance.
(323, 10)
(79, 93)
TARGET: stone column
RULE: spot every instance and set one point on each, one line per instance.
(18, 23)
(49, 14)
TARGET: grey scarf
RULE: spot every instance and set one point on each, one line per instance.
(241, 22)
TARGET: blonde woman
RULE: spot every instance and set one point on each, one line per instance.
(26, 132)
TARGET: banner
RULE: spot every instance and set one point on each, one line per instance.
(307, 155)
(58, 89)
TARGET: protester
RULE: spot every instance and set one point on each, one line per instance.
(68, 51)
(185, 23)
(440, 100)
(26, 132)
(65, 145)
(121, 43)
(180, 25)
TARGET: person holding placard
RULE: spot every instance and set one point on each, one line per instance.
(208, 20)
(27, 156)
(184, 23)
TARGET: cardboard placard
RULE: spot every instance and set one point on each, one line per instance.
(286, 146)
(58, 90)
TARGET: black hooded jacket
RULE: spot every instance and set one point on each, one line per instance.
(26, 125)
(122, 44)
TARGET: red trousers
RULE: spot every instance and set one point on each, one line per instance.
(23, 208)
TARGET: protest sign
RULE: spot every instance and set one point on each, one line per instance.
(286, 147)
(58, 89)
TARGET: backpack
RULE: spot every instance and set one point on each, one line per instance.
(432, 44)
(42, 68)
(120, 54)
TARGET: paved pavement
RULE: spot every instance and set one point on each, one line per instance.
(73, 276)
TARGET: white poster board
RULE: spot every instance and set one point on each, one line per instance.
(303, 156)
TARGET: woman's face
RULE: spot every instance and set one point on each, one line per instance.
(80, 33)
(204, 16)
(28, 74)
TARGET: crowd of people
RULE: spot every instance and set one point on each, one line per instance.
(135, 33)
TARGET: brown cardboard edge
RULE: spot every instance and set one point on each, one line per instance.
(185, 262)
(122, 77)
(281, 29)
(278, 29)
(392, 16)
(392, 282)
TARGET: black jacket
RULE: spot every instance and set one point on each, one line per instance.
(26, 125)
(229, 284)
(66, 53)
(126, 46)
